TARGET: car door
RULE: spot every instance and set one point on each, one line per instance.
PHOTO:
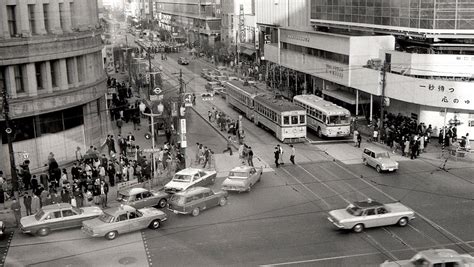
(71, 218)
(139, 201)
(211, 199)
(135, 219)
(253, 176)
(370, 218)
(121, 224)
(385, 218)
(148, 200)
(372, 159)
(53, 220)
(197, 180)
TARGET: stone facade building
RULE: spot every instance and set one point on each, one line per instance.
(51, 66)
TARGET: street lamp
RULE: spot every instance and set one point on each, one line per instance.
(152, 115)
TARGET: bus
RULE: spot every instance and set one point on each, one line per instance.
(286, 120)
(324, 117)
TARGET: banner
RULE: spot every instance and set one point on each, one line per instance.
(109, 60)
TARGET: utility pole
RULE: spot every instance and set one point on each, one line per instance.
(385, 67)
(9, 132)
(182, 118)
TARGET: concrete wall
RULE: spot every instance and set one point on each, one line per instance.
(284, 13)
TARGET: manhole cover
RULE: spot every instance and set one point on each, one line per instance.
(127, 260)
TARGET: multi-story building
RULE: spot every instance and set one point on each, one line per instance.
(197, 21)
(239, 28)
(425, 46)
(51, 67)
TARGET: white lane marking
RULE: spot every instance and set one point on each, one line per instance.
(322, 259)
(316, 195)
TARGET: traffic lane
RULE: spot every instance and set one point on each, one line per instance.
(72, 247)
(444, 197)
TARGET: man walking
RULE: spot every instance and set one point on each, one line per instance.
(277, 156)
(293, 154)
(27, 203)
(229, 145)
(359, 140)
(16, 208)
(104, 190)
(207, 155)
(250, 156)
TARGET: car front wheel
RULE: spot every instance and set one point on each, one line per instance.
(155, 224)
(403, 222)
(111, 235)
(358, 228)
(378, 169)
(195, 212)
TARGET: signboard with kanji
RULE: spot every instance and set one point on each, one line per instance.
(188, 100)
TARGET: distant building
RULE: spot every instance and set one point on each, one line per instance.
(338, 48)
(51, 66)
(198, 21)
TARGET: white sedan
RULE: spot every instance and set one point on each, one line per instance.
(242, 179)
(190, 177)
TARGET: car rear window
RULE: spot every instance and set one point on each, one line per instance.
(182, 178)
(238, 174)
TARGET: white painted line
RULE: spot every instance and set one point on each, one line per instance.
(322, 259)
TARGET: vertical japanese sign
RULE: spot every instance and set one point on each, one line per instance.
(109, 60)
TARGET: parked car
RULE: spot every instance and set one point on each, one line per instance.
(190, 177)
(141, 198)
(379, 159)
(242, 178)
(123, 219)
(183, 61)
(195, 200)
(56, 217)
(214, 87)
(369, 213)
(434, 258)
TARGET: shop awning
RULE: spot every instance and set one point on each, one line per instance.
(346, 97)
(248, 52)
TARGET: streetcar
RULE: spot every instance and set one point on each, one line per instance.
(241, 96)
(286, 120)
(324, 117)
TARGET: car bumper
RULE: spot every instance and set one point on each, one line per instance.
(235, 189)
(390, 169)
(177, 211)
(90, 233)
(23, 230)
(338, 225)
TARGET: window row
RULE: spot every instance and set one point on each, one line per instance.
(270, 114)
(42, 18)
(75, 72)
(336, 57)
(293, 120)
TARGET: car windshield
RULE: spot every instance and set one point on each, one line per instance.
(182, 178)
(383, 155)
(338, 120)
(177, 199)
(238, 175)
(107, 218)
(77, 210)
(353, 210)
(124, 197)
(39, 215)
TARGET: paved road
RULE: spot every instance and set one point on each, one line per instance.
(284, 219)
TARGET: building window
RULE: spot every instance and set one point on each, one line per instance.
(61, 15)
(11, 16)
(80, 68)
(31, 18)
(2, 81)
(18, 70)
(69, 70)
(39, 77)
(46, 18)
(54, 73)
(71, 8)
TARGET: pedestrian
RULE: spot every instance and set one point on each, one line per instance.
(119, 125)
(241, 153)
(281, 154)
(356, 134)
(293, 154)
(206, 157)
(27, 203)
(359, 140)
(193, 99)
(414, 149)
(229, 145)
(277, 156)
(104, 190)
(198, 153)
(406, 150)
(250, 156)
(16, 209)
(79, 156)
(209, 114)
(35, 204)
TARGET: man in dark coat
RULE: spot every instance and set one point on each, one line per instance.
(27, 203)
